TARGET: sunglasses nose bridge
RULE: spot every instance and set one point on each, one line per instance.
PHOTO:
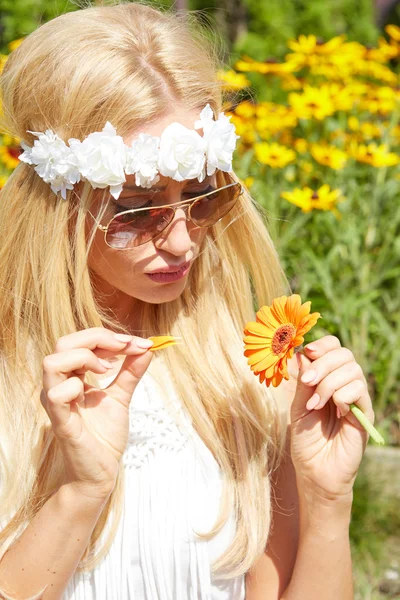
(186, 210)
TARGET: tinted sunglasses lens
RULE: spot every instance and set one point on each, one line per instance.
(133, 229)
(210, 209)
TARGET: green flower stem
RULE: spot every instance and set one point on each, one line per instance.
(374, 433)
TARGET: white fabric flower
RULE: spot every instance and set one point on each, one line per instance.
(54, 162)
(220, 139)
(101, 159)
(182, 153)
(142, 159)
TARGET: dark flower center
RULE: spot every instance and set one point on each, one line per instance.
(282, 337)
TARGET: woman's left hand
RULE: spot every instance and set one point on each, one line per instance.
(326, 451)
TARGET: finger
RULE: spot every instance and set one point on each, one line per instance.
(93, 338)
(321, 367)
(57, 402)
(59, 366)
(354, 392)
(336, 380)
(104, 342)
(303, 392)
(322, 346)
(132, 370)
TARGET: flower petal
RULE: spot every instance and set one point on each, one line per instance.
(162, 341)
(258, 329)
(278, 309)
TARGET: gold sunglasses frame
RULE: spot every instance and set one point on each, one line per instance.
(174, 206)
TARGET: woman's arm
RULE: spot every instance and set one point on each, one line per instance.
(308, 552)
(308, 549)
(323, 568)
(47, 553)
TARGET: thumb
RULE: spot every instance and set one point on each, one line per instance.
(303, 391)
(132, 370)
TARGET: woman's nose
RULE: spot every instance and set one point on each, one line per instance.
(176, 238)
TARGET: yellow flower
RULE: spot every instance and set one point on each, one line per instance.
(233, 80)
(381, 100)
(306, 166)
(329, 156)
(14, 44)
(270, 341)
(274, 155)
(306, 44)
(272, 118)
(290, 82)
(370, 130)
(268, 67)
(312, 103)
(393, 31)
(310, 51)
(353, 123)
(356, 89)
(3, 59)
(285, 137)
(246, 109)
(371, 154)
(375, 70)
(383, 53)
(244, 128)
(308, 199)
(9, 156)
(3, 180)
(300, 145)
(341, 96)
(248, 181)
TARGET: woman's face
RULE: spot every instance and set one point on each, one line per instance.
(122, 276)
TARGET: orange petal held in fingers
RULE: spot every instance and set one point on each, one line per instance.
(271, 340)
(162, 341)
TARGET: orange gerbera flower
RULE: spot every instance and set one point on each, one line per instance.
(270, 341)
(162, 341)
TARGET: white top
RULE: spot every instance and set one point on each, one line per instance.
(172, 485)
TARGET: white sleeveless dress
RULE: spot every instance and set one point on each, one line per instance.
(172, 486)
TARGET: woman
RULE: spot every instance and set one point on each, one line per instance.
(127, 473)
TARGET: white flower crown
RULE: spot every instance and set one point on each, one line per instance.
(103, 158)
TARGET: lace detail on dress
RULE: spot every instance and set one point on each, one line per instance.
(152, 428)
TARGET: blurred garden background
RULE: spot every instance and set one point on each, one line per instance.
(313, 89)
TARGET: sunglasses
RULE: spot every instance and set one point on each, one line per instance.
(137, 226)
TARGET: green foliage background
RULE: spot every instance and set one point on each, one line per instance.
(270, 22)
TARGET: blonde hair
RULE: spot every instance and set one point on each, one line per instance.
(126, 63)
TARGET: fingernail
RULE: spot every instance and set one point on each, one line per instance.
(142, 343)
(310, 347)
(121, 337)
(309, 376)
(338, 412)
(313, 401)
(105, 363)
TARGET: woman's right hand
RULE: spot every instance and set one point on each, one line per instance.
(91, 424)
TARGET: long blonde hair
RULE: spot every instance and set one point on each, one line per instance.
(126, 63)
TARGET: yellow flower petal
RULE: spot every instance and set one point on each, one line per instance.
(162, 341)
(259, 330)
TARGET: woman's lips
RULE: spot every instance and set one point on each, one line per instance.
(170, 277)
